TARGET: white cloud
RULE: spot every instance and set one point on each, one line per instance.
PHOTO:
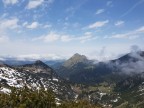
(86, 38)
(141, 29)
(66, 38)
(33, 57)
(24, 24)
(33, 25)
(88, 33)
(47, 26)
(39, 57)
(98, 24)
(10, 2)
(82, 39)
(52, 37)
(100, 11)
(129, 35)
(34, 4)
(5, 26)
(9, 24)
(119, 23)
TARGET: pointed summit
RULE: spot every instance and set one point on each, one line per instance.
(76, 58)
(38, 62)
(38, 67)
(78, 55)
(132, 57)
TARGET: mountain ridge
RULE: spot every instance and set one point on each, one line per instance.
(34, 76)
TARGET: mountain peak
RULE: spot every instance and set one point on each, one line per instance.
(76, 54)
(38, 67)
(38, 62)
(76, 58)
(133, 56)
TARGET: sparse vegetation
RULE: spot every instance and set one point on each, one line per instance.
(27, 98)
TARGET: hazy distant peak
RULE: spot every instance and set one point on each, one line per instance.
(41, 64)
(76, 58)
(38, 62)
(133, 56)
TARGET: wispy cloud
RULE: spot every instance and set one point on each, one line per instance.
(53, 36)
(129, 35)
(132, 8)
(6, 24)
(98, 24)
(88, 33)
(33, 25)
(34, 4)
(10, 2)
(47, 26)
(109, 3)
(140, 30)
(99, 11)
(33, 57)
(50, 37)
(39, 57)
(119, 23)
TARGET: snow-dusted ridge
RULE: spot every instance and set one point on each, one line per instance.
(34, 77)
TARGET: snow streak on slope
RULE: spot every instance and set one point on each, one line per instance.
(10, 77)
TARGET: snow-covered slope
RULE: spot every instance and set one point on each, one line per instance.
(34, 76)
(10, 77)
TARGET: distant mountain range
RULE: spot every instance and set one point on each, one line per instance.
(81, 70)
(15, 62)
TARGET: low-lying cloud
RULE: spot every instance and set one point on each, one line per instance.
(133, 65)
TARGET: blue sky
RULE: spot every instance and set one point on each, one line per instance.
(54, 29)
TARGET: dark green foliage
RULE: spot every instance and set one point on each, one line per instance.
(78, 104)
(26, 98)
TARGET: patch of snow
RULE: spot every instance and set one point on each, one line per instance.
(57, 103)
(141, 94)
(55, 79)
(76, 96)
(5, 90)
(10, 76)
(142, 89)
(102, 94)
(114, 100)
